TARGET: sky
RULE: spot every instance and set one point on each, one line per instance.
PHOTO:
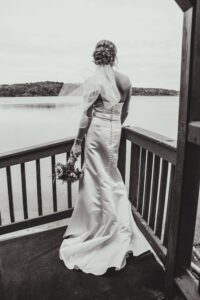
(54, 39)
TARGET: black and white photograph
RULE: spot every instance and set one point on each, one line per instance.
(99, 150)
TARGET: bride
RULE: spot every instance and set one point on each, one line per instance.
(102, 231)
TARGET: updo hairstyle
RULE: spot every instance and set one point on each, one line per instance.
(105, 53)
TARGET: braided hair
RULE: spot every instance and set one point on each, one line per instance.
(104, 53)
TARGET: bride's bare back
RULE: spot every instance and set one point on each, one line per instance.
(123, 84)
(125, 88)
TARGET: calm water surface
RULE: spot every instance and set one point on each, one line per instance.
(34, 120)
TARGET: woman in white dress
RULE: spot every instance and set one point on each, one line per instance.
(102, 230)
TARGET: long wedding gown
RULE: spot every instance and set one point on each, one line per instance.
(102, 230)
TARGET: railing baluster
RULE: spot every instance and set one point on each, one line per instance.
(54, 190)
(69, 188)
(82, 158)
(39, 191)
(24, 193)
(134, 174)
(141, 180)
(83, 153)
(154, 193)
(10, 194)
(161, 203)
(166, 232)
(121, 164)
(147, 193)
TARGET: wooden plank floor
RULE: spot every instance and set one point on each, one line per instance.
(30, 269)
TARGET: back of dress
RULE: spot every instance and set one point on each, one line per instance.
(101, 85)
(101, 111)
(102, 230)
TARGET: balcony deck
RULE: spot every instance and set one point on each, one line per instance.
(29, 265)
(31, 269)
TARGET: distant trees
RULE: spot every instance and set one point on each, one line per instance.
(153, 92)
(46, 88)
(50, 88)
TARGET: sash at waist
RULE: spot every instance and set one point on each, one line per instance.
(107, 116)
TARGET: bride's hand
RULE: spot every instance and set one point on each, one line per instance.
(76, 149)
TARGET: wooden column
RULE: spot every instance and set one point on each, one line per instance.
(187, 173)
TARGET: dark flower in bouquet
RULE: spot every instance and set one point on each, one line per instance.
(67, 172)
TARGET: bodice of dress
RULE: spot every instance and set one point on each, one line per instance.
(113, 113)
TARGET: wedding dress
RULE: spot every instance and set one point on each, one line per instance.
(102, 230)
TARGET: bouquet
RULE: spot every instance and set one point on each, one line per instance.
(67, 172)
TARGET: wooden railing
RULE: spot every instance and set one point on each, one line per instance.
(151, 190)
(152, 163)
(35, 154)
(151, 169)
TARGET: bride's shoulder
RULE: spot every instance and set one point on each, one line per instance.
(123, 80)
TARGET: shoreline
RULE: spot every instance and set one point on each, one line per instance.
(54, 88)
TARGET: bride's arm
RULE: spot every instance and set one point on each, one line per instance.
(84, 123)
(125, 108)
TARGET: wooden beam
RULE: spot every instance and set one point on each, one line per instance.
(191, 163)
(189, 203)
(36, 221)
(155, 143)
(185, 4)
(177, 194)
(187, 173)
(35, 152)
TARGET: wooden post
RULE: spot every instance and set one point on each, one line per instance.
(187, 173)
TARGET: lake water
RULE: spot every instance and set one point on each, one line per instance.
(34, 120)
(30, 121)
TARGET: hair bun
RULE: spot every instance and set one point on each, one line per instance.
(104, 53)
